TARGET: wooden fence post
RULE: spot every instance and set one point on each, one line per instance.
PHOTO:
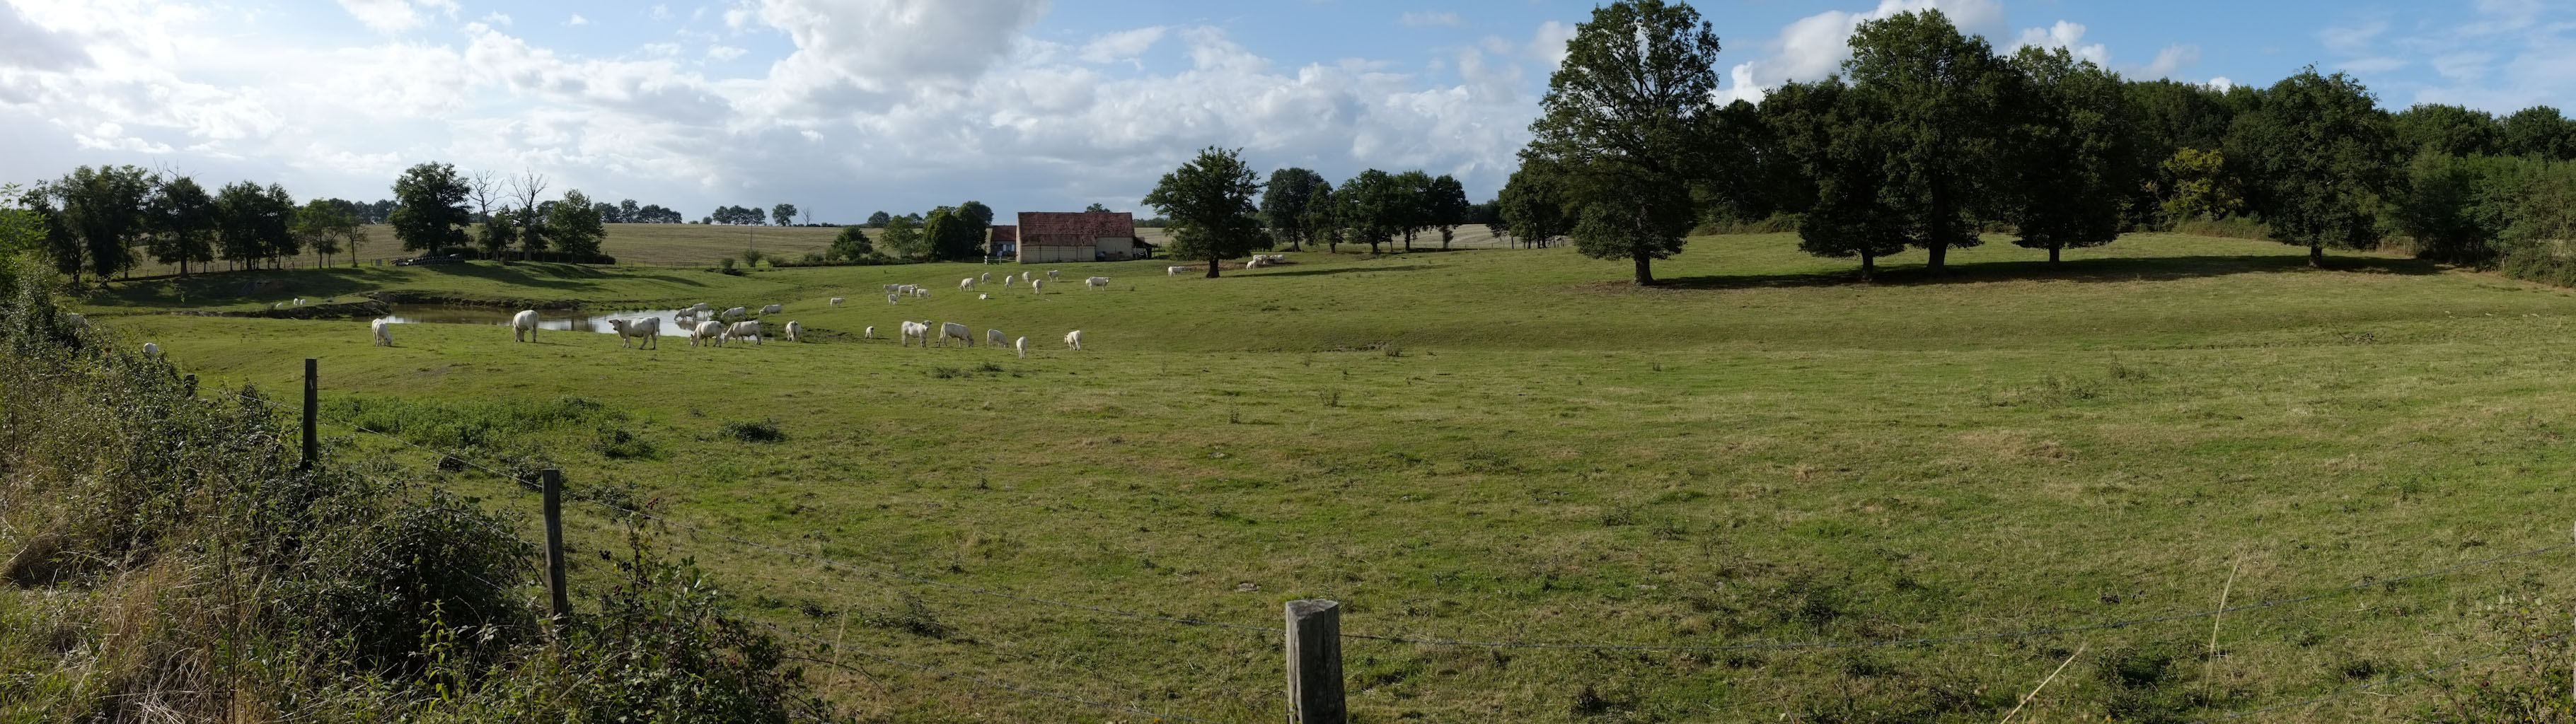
(552, 479)
(1315, 663)
(312, 410)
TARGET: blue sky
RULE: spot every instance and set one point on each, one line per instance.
(844, 107)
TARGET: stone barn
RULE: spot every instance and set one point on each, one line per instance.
(1002, 241)
(1058, 237)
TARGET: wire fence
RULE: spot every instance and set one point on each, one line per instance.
(832, 564)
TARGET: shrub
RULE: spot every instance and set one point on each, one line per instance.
(748, 431)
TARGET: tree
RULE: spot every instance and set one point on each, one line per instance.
(527, 188)
(1095, 208)
(324, 226)
(255, 223)
(1323, 217)
(1209, 203)
(103, 210)
(575, 225)
(878, 220)
(950, 235)
(1284, 203)
(2203, 188)
(1625, 116)
(2540, 131)
(1372, 208)
(850, 244)
(2319, 152)
(629, 212)
(978, 220)
(183, 224)
(1444, 206)
(2075, 159)
(2446, 129)
(1533, 205)
(1941, 96)
(784, 214)
(1409, 204)
(1835, 133)
(430, 208)
(902, 239)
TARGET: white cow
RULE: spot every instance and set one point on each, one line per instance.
(1037, 286)
(383, 338)
(1051, 273)
(836, 301)
(872, 332)
(773, 309)
(278, 305)
(966, 284)
(1255, 263)
(1007, 281)
(299, 301)
(955, 331)
(995, 338)
(523, 326)
(1097, 282)
(985, 277)
(1021, 344)
(744, 330)
(983, 296)
(916, 330)
(920, 293)
(1173, 271)
(699, 309)
(1073, 339)
(794, 330)
(734, 312)
(1026, 276)
(891, 297)
(648, 329)
(152, 350)
(710, 332)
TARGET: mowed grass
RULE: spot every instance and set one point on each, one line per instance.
(1514, 446)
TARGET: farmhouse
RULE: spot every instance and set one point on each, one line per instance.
(1056, 237)
(1002, 240)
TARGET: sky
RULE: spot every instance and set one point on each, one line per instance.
(845, 107)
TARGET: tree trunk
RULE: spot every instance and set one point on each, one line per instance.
(1645, 272)
(1868, 267)
(1939, 250)
(2052, 256)
(2317, 256)
(1212, 265)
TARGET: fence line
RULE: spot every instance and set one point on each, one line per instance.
(995, 684)
(2384, 682)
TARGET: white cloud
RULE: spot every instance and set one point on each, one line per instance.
(2221, 83)
(393, 16)
(661, 12)
(2063, 35)
(2170, 59)
(724, 52)
(1549, 43)
(577, 20)
(1121, 46)
(2353, 39)
(1815, 46)
(494, 18)
(25, 44)
(1426, 19)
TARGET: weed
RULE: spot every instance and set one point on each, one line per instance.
(749, 431)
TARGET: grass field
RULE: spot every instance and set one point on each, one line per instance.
(1511, 445)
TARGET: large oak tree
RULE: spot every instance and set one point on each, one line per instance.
(1626, 119)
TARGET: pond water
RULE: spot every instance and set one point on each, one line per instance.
(547, 319)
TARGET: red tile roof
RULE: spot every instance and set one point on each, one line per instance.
(1004, 234)
(1074, 228)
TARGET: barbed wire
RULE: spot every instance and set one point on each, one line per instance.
(2384, 682)
(987, 682)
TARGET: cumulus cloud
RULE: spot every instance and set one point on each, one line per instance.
(1816, 46)
(393, 16)
(2063, 35)
(577, 20)
(2171, 59)
(24, 44)
(1121, 46)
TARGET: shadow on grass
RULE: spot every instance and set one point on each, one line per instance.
(231, 287)
(2082, 270)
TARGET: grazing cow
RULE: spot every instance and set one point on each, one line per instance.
(916, 330)
(1073, 339)
(891, 297)
(1035, 286)
(383, 339)
(1007, 281)
(955, 331)
(836, 301)
(966, 284)
(1025, 276)
(648, 329)
(995, 338)
(1173, 271)
(279, 305)
(734, 312)
(744, 330)
(1051, 273)
(299, 301)
(1097, 282)
(710, 332)
(983, 296)
(773, 309)
(1254, 264)
(152, 350)
(985, 277)
(794, 330)
(872, 332)
(523, 326)
(1021, 344)
(920, 293)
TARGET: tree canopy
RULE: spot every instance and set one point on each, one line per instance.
(1285, 203)
(1625, 121)
(430, 208)
(1209, 203)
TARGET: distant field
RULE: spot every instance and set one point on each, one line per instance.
(1518, 446)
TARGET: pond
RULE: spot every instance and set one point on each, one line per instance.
(547, 319)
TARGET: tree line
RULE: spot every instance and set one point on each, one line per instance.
(1928, 138)
(432, 215)
(105, 221)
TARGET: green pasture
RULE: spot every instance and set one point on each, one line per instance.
(1514, 446)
